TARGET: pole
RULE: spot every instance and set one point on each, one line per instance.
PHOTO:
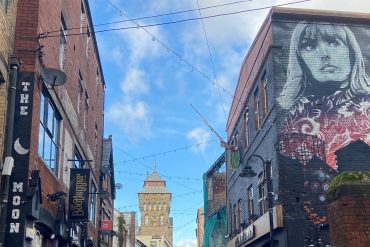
(14, 65)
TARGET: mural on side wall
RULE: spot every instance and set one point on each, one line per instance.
(326, 97)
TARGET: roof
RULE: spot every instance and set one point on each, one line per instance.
(151, 184)
(154, 190)
(154, 176)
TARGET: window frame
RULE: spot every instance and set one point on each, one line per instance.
(261, 193)
(246, 128)
(62, 42)
(47, 104)
(256, 102)
(239, 213)
(93, 203)
(250, 198)
(264, 95)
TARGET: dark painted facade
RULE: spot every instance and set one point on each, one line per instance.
(299, 117)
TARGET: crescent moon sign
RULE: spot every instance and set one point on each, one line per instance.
(19, 149)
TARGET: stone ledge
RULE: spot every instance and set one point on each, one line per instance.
(355, 184)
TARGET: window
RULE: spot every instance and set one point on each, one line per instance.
(236, 142)
(161, 220)
(239, 213)
(250, 204)
(78, 161)
(230, 219)
(256, 110)
(234, 218)
(92, 203)
(246, 128)
(261, 194)
(80, 91)
(88, 37)
(63, 42)
(153, 244)
(82, 17)
(86, 111)
(49, 132)
(264, 96)
(146, 220)
(144, 206)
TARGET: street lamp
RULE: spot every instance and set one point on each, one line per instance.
(248, 172)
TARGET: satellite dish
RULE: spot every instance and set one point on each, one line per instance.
(54, 77)
(105, 169)
(119, 186)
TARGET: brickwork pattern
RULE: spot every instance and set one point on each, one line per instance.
(349, 221)
(41, 17)
(7, 23)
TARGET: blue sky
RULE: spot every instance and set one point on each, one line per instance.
(153, 74)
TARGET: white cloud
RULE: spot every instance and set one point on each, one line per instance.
(199, 135)
(140, 44)
(133, 118)
(187, 243)
(134, 82)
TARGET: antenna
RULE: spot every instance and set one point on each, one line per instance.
(54, 77)
(118, 186)
(223, 143)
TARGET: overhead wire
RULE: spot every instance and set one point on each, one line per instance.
(138, 26)
(165, 152)
(143, 174)
(153, 16)
(152, 169)
(211, 59)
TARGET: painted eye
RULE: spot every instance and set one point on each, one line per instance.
(334, 44)
(308, 47)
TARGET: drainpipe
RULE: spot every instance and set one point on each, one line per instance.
(9, 161)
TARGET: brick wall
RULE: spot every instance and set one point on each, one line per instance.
(349, 218)
(44, 17)
(7, 23)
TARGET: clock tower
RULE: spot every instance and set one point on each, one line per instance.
(154, 203)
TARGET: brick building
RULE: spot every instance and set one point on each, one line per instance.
(7, 23)
(58, 129)
(299, 116)
(199, 231)
(214, 187)
(156, 225)
(125, 228)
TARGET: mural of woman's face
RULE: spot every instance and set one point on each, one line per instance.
(327, 58)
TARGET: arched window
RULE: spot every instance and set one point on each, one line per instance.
(154, 206)
(146, 220)
(144, 206)
(159, 206)
(164, 206)
(161, 220)
(149, 206)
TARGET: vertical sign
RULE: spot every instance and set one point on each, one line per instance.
(79, 194)
(16, 216)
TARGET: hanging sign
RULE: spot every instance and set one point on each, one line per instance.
(16, 214)
(79, 194)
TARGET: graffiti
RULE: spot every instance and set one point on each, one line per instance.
(327, 92)
(326, 98)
